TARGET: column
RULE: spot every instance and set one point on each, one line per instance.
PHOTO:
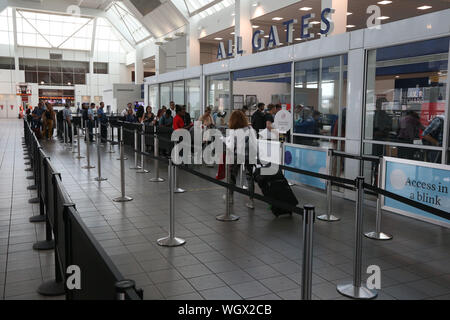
(355, 90)
(339, 17)
(138, 66)
(243, 26)
(192, 46)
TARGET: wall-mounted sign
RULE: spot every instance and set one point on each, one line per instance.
(426, 183)
(306, 158)
(273, 41)
(23, 90)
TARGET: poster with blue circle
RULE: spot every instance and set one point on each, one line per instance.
(306, 159)
(425, 183)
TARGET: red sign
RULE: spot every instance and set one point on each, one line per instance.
(1, 106)
(12, 107)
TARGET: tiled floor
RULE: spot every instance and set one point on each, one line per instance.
(258, 257)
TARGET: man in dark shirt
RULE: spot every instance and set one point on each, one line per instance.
(187, 117)
(270, 116)
(258, 118)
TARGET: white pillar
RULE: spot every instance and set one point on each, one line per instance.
(243, 26)
(339, 17)
(192, 46)
(138, 66)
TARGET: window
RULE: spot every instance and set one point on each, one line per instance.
(218, 95)
(193, 98)
(178, 92)
(166, 94)
(320, 100)
(204, 7)
(153, 97)
(46, 30)
(7, 63)
(128, 22)
(101, 67)
(51, 72)
(406, 101)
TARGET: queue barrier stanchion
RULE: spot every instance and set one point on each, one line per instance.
(136, 156)
(378, 234)
(307, 263)
(72, 130)
(177, 187)
(79, 144)
(111, 136)
(122, 287)
(65, 132)
(88, 153)
(99, 160)
(121, 146)
(171, 240)
(142, 170)
(228, 216)
(357, 290)
(35, 166)
(329, 217)
(157, 178)
(123, 197)
(243, 177)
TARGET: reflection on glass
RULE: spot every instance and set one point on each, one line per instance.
(394, 151)
(178, 92)
(268, 85)
(406, 98)
(166, 94)
(153, 97)
(193, 98)
(218, 97)
(320, 99)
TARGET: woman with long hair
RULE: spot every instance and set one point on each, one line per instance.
(49, 121)
(240, 128)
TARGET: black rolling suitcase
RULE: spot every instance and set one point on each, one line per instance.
(277, 188)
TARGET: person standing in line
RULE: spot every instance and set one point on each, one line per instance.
(239, 127)
(270, 116)
(166, 120)
(140, 114)
(103, 121)
(258, 118)
(173, 109)
(49, 120)
(67, 116)
(207, 119)
(91, 121)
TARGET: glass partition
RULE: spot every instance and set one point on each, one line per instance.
(406, 101)
(218, 97)
(320, 100)
(153, 97)
(193, 98)
(268, 85)
(178, 92)
(165, 94)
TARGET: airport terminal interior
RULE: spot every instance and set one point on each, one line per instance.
(195, 150)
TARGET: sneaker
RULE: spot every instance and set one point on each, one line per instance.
(250, 205)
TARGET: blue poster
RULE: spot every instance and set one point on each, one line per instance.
(423, 184)
(306, 159)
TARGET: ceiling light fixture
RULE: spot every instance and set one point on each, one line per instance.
(384, 2)
(305, 9)
(277, 19)
(424, 7)
(383, 18)
(349, 13)
(255, 27)
(218, 39)
(351, 26)
(315, 22)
